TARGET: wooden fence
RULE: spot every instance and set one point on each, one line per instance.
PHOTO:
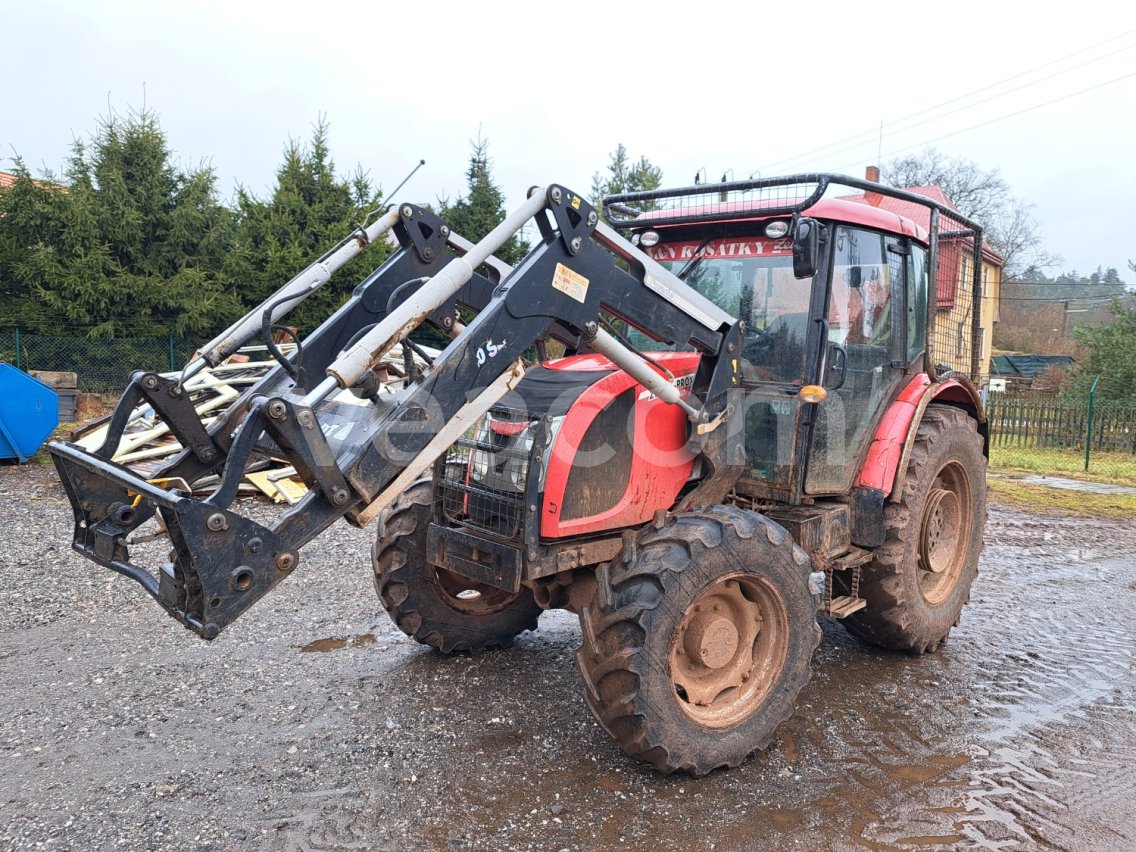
(1048, 422)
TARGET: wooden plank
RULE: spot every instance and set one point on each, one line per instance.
(265, 486)
(159, 451)
(845, 605)
(291, 490)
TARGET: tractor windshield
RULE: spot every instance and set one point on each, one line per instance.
(751, 279)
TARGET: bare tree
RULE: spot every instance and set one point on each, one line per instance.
(1016, 235)
(982, 195)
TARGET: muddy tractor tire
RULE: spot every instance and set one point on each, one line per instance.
(698, 639)
(436, 607)
(919, 580)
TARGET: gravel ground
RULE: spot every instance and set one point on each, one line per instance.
(313, 723)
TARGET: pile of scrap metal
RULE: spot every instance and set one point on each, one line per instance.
(147, 443)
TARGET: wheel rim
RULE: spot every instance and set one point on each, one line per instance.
(729, 650)
(944, 535)
(469, 596)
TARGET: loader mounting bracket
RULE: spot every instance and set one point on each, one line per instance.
(426, 232)
(221, 563)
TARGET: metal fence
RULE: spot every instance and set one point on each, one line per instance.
(102, 366)
(1053, 435)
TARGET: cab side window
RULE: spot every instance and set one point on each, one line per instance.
(916, 301)
(860, 305)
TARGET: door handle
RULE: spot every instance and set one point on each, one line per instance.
(837, 366)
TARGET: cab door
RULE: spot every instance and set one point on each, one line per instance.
(780, 355)
(866, 323)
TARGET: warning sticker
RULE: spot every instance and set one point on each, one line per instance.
(571, 283)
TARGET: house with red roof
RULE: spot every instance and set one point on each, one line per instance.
(954, 320)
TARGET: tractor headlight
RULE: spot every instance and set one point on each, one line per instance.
(777, 229)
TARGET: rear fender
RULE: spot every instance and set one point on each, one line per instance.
(885, 466)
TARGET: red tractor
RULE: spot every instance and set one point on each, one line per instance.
(764, 409)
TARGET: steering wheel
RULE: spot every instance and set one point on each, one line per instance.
(757, 344)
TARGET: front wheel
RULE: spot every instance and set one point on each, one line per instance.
(697, 643)
(437, 607)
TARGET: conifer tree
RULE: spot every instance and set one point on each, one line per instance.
(125, 245)
(625, 176)
(483, 208)
(310, 211)
(1110, 354)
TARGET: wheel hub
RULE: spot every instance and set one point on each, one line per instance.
(940, 530)
(944, 533)
(711, 639)
(728, 650)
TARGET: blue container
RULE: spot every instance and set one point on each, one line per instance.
(29, 410)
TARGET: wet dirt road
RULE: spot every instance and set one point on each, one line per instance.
(314, 724)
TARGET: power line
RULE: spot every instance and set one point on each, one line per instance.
(1010, 115)
(1019, 88)
(868, 133)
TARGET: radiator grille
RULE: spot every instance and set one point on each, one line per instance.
(483, 476)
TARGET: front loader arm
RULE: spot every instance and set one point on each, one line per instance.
(423, 242)
(222, 563)
(422, 239)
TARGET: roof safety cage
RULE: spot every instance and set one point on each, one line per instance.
(760, 197)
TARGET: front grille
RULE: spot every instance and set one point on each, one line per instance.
(483, 476)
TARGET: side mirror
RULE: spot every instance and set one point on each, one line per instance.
(807, 237)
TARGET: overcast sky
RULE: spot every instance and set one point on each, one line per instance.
(1047, 96)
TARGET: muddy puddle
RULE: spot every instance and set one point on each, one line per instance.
(337, 643)
(1019, 734)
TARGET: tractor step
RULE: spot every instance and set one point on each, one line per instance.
(845, 605)
(842, 606)
(854, 558)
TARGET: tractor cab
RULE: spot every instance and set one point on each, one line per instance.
(834, 309)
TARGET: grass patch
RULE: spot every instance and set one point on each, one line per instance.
(1009, 491)
(1113, 468)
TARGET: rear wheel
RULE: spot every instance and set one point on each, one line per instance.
(697, 643)
(436, 607)
(919, 579)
